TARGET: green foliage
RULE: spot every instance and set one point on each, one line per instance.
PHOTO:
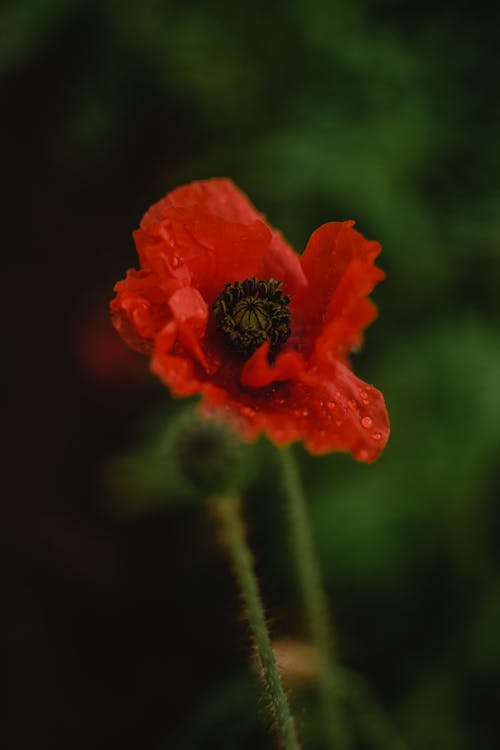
(325, 110)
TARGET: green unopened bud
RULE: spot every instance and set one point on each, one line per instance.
(209, 456)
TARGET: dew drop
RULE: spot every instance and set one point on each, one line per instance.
(366, 422)
(301, 412)
(176, 261)
(330, 405)
(376, 435)
(352, 405)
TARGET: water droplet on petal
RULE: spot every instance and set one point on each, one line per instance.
(376, 435)
(330, 405)
(352, 405)
(366, 422)
(301, 412)
(247, 411)
(176, 261)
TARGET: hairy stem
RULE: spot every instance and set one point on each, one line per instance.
(227, 511)
(315, 603)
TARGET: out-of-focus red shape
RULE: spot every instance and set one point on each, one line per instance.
(203, 235)
(105, 360)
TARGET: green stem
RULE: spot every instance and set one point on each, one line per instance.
(315, 603)
(227, 510)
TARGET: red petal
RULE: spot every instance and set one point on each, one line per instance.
(348, 413)
(345, 333)
(257, 372)
(218, 196)
(323, 404)
(339, 265)
(201, 225)
(177, 372)
(282, 263)
(139, 309)
(189, 308)
(190, 314)
(165, 340)
(202, 250)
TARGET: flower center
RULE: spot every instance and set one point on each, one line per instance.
(252, 312)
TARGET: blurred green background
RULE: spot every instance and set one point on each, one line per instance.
(121, 619)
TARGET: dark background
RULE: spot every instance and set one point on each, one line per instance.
(121, 622)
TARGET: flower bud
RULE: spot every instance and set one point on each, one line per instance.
(209, 456)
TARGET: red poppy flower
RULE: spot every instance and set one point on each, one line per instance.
(228, 310)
